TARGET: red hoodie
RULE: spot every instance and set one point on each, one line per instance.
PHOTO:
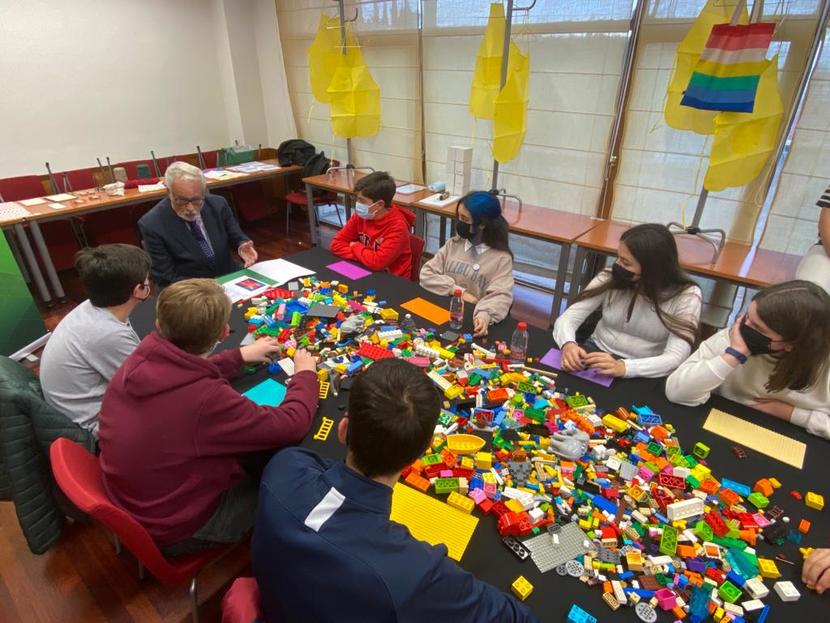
(171, 426)
(383, 243)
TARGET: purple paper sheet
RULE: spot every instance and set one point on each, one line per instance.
(347, 269)
(553, 358)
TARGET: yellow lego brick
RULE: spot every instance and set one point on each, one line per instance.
(445, 354)
(453, 391)
(388, 314)
(514, 505)
(340, 368)
(814, 500)
(615, 423)
(467, 462)
(636, 493)
(768, 569)
(521, 588)
(461, 502)
(290, 352)
(634, 560)
(323, 374)
(775, 483)
(343, 288)
(484, 460)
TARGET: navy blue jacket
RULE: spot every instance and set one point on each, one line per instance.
(175, 252)
(324, 549)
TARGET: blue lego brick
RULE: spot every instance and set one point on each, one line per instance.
(649, 419)
(736, 579)
(578, 615)
(643, 593)
(603, 504)
(739, 488)
(763, 616)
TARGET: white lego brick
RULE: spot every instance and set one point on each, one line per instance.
(756, 588)
(786, 591)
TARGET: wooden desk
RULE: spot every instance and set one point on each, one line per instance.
(737, 263)
(87, 205)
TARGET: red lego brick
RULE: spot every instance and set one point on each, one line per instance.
(672, 482)
(370, 351)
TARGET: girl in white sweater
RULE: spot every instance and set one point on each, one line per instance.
(477, 259)
(650, 311)
(776, 358)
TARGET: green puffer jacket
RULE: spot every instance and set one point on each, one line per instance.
(28, 426)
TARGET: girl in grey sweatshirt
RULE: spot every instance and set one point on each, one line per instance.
(477, 259)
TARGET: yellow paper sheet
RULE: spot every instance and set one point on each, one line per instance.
(425, 309)
(432, 521)
(763, 440)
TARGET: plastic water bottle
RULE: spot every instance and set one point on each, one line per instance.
(456, 310)
(518, 343)
(408, 325)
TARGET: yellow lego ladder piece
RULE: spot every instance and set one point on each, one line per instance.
(325, 428)
(324, 390)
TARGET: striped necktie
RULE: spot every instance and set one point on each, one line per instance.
(204, 245)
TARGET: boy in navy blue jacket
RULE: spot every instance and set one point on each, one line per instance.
(324, 548)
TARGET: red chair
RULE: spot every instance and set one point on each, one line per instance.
(249, 200)
(300, 198)
(211, 158)
(416, 246)
(241, 603)
(132, 166)
(79, 179)
(78, 475)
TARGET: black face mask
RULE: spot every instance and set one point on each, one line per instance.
(465, 230)
(756, 342)
(622, 275)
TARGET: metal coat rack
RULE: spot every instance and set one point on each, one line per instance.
(505, 57)
(343, 48)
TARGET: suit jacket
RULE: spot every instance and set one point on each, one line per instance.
(173, 249)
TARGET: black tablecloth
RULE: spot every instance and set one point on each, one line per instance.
(487, 557)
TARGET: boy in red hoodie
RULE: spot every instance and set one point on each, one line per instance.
(171, 426)
(377, 234)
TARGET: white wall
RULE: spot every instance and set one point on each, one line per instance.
(87, 78)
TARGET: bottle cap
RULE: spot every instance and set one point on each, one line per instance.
(522, 326)
(456, 292)
(408, 316)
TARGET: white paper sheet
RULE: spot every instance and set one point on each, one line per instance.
(60, 197)
(32, 202)
(244, 287)
(11, 209)
(57, 206)
(409, 189)
(147, 188)
(281, 270)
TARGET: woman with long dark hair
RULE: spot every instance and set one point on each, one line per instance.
(775, 358)
(650, 311)
(477, 259)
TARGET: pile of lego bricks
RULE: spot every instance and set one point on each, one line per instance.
(635, 516)
(347, 329)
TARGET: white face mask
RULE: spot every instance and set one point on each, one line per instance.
(363, 210)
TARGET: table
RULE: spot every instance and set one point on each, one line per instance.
(342, 181)
(548, 224)
(486, 556)
(43, 213)
(737, 263)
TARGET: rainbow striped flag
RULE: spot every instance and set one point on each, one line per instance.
(726, 76)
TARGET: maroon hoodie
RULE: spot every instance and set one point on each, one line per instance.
(171, 426)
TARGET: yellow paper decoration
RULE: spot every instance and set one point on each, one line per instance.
(744, 142)
(688, 52)
(510, 118)
(324, 55)
(487, 74)
(354, 97)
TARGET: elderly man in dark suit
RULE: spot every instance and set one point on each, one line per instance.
(191, 233)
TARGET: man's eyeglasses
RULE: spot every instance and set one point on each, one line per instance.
(183, 201)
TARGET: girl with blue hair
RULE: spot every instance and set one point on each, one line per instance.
(477, 260)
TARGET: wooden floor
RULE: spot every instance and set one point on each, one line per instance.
(81, 579)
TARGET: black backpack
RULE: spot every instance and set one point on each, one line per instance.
(316, 165)
(294, 151)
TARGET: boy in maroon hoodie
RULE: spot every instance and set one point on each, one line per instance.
(171, 426)
(377, 234)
